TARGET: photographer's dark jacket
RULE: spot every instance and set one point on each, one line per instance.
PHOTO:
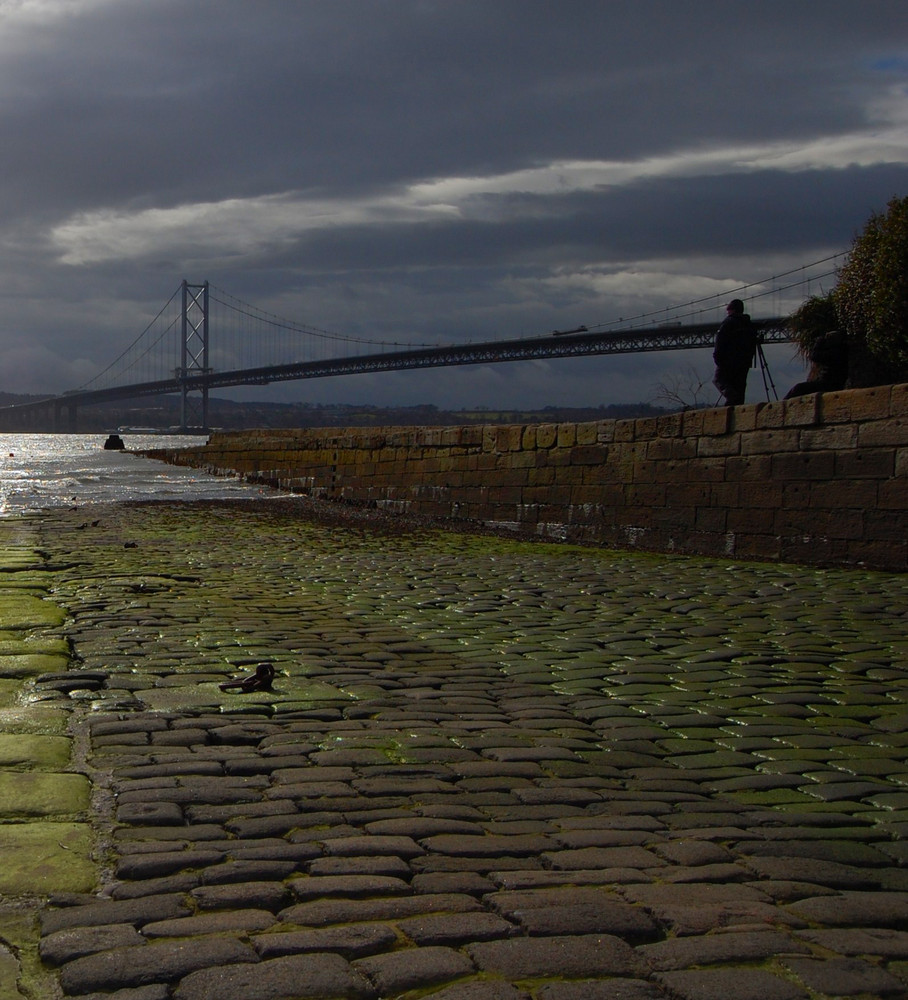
(736, 343)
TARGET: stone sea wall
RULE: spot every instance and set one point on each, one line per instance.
(818, 480)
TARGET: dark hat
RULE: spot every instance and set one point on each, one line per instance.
(736, 305)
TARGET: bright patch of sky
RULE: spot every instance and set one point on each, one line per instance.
(242, 225)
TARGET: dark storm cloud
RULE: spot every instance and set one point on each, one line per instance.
(212, 100)
(467, 167)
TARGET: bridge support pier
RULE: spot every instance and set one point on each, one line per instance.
(194, 356)
(65, 417)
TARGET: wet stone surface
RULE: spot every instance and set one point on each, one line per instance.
(484, 769)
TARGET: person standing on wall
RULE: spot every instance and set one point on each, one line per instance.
(734, 352)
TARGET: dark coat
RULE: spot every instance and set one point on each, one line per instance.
(736, 344)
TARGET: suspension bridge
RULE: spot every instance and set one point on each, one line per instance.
(205, 339)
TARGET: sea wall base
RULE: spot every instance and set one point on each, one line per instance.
(818, 480)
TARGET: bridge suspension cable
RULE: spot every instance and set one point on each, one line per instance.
(717, 299)
(246, 309)
(125, 369)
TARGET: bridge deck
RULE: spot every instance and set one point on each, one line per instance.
(574, 344)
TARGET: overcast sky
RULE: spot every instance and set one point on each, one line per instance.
(433, 171)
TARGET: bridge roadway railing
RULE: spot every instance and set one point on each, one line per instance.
(496, 351)
(63, 408)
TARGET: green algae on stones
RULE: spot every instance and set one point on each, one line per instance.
(302, 691)
(36, 718)
(44, 752)
(778, 797)
(24, 665)
(22, 973)
(186, 697)
(41, 857)
(9, 974)
(19, 559)
(42, 793)
(9, 692)
(19, 644)
(22, 611)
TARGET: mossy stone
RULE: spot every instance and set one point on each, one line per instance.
(9, 974)
(770, 797)
(44, 857)
(37, 793)
(45, 752)
(306, 689)
(21, 611)
(9, 692)
(31, 664)
(26, 975)
(38, 719)
(193, 696)
(14, 557)
(182, 698)
(17, 644)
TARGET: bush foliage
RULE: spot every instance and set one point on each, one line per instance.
(869, 301)
(811, 320)
(871, 294)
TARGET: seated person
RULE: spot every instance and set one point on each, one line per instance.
(829, 360)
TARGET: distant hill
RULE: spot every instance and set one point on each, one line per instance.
(11, 398)
(163, 412)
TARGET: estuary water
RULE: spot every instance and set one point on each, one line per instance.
(55, 470)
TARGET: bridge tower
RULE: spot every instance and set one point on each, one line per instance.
(194, 355)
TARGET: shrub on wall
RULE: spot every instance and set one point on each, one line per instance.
(816, 317)
(869, 302)
(871, 293)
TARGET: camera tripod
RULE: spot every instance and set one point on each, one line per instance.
(760, 357)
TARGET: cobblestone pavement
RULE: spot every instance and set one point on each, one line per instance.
(486, 770)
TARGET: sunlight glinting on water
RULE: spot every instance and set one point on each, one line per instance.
(55, 470)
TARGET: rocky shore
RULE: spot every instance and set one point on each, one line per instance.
(484, 770)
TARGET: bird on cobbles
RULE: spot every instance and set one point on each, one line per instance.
(259, 680)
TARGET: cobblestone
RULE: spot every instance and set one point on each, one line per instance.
(399, 972)
(729, 946)
(485, 770)
(295, 977)
(152, 963)
(845, 977)
(720, 984)
(572, 957)
(349, 940)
